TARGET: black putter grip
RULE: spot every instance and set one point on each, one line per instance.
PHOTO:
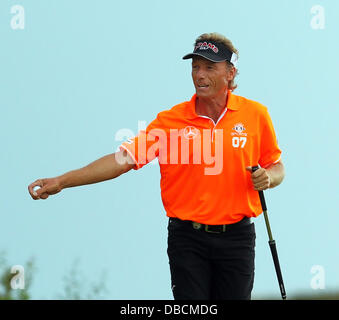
(261, 193)
(277, 268)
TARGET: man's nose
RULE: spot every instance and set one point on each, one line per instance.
(200, 74)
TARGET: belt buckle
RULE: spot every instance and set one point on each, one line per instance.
(196, 225)
(210, 231)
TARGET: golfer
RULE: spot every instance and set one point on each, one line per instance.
(205, 147)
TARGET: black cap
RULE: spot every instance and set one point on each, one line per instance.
(213, 51)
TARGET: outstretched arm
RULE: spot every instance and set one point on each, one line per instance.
(105, 168)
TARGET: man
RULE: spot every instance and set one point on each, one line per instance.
(206, 148)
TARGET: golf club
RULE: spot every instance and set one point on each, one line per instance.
(271, 242)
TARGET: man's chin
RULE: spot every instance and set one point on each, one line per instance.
(202, 94)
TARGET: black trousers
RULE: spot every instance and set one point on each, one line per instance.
(208, 266)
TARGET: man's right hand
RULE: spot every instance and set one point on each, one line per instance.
(48, 186)
(105, 168)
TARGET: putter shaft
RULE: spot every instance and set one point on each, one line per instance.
(271, 242)
(268, 227)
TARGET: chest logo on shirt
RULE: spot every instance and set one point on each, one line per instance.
(239, 129)
(190, 132)
(239, 137)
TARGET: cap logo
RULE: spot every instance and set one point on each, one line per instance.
(212, 50)
(206, 46)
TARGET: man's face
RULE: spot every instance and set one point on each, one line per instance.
(210, 78)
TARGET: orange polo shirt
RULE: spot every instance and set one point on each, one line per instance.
(203, 164)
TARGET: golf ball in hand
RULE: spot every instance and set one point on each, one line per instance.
(36, 188)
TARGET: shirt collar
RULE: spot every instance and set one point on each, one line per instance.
(231, 104)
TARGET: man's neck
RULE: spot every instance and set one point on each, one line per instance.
(211, 107)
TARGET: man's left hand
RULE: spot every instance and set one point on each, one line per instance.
(260, 178)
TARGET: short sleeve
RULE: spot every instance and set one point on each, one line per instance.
(269, 150)
(144, 147)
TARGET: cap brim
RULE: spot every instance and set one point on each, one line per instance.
(207, 56)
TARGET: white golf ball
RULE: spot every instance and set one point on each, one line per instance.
(36, 188)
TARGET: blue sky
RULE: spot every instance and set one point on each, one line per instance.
(79, 71)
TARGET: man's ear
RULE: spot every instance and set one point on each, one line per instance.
(232, 71)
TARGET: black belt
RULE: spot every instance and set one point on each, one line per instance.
(215, 228)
